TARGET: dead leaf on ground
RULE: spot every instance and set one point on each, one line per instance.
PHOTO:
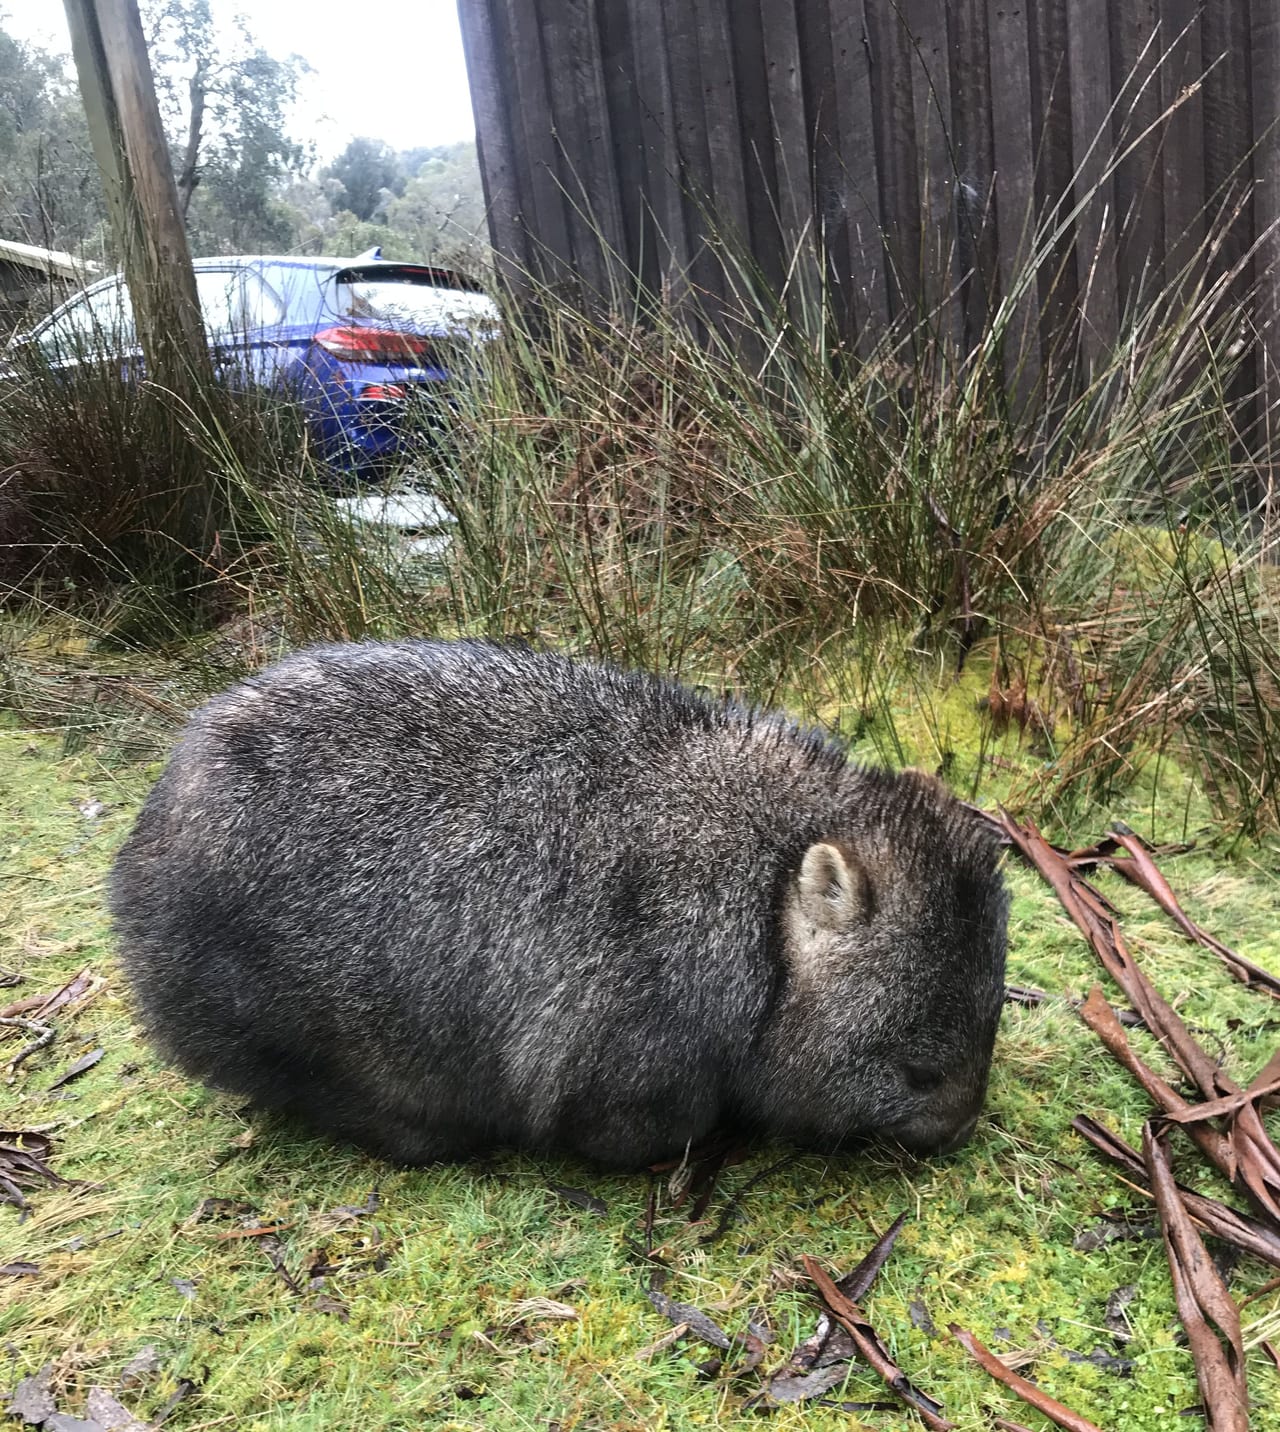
(32, 1401)
(219, 1208)
(821, 1362)
(144, 1364)
(696, 1321)
(75, 994)
(579, 1198)
(349, 1212)
(1242, 1149)
(81, 1066)
(111, 1415)
(1115, 1317)
(1238, 1229)
(872, 1350)
(23, 1155)
(1141, 870)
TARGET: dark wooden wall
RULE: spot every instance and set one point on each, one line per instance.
(915, 145)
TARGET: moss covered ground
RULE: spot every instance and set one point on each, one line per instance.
(486, 1297)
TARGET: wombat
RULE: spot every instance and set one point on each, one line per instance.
(442, 896)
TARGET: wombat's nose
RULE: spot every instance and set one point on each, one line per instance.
(961, 1137)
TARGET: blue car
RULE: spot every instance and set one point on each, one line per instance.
(367, 345)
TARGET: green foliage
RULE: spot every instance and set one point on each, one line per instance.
(49, 194)
(441, 212)
(226, 108)
(241, 172)
(366, 175)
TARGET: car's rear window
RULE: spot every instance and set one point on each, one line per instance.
(417, 306)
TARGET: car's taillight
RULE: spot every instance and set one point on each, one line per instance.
(374, 345)
(382, 392)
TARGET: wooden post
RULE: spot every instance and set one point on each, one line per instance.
(142, 198)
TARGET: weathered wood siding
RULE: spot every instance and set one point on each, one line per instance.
(913, 147)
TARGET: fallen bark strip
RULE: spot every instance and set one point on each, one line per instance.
(821, 1362)
(1054, 1410)
(854, 1321)
(1268, 1287)
(44, 1033)
(1253, 1159)
(1098, 924)
(1230, 1103)
(1210, 1318)
(1211, 1214)
(1101, 1018)
(1141, 870)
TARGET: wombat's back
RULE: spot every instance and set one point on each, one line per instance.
(437, 895)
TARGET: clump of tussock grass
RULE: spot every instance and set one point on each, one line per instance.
(112, 501)
(756, 505)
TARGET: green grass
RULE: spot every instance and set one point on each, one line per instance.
(431, 1280)
(880, 543)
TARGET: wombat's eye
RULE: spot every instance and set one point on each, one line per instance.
(923, 1077)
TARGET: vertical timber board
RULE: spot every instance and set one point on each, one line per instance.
(760, 169)
(663, 206)
(1138, 41)
(1181, 85)
(1088, 41)
(499, 172)
(685, 71)
(579, 123)
(726, 187)
(860, 162)
(1264, 55)
(926, 24)
(1010, 71)
(1058, 281)
(583, 76)
(548, 247)
(104, 124)
(792, 158)
(975, 229)
(1224, 35)
(818, 44)
(638, 248)
(894, 126)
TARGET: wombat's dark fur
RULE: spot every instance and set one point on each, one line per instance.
(441, 896)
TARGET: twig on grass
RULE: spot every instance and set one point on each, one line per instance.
(1054, 1410)
(1141, 870)
(1101, 1018)
(1212, 1215)
(44, 1036)
(1243, 1149)
(1209, 1316)
(854, 1321)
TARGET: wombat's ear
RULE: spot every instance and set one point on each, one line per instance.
(834, 890)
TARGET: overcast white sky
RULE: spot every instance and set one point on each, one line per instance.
(392, 72)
